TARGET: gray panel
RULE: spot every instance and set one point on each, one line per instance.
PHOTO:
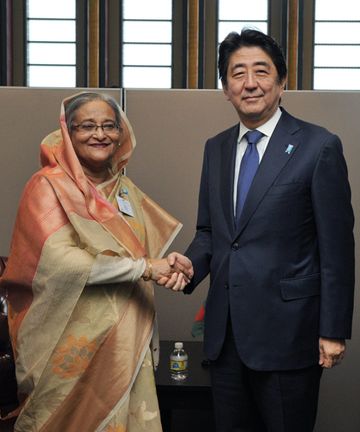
(171, 129)
(339, 112)
(27, 115)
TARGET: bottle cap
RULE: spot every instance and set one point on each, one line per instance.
(178, 345)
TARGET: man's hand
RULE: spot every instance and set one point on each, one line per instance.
(332, 352)
(181, 264)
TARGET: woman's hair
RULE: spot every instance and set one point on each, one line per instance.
(250, 38)
(83, 98)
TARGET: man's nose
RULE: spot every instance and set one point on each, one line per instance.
(250, 81)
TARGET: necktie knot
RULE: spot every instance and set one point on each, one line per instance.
(253, 136)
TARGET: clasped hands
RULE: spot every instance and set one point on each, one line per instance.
(173, 272)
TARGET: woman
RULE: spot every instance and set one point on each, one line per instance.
(81, 310)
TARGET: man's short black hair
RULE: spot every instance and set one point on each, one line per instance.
(250, 38)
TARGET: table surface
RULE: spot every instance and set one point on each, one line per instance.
(198, 376)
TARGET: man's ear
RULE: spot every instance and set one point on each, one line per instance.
(225, 90)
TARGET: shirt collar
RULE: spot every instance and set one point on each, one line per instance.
(267, 128)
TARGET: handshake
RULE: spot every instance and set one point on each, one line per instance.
(173, 272)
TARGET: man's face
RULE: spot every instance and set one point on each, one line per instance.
(252, 86)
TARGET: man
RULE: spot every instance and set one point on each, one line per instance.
(275, 232)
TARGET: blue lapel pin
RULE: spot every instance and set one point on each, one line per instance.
(289, 148)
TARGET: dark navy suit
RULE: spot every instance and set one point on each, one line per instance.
(287, 273)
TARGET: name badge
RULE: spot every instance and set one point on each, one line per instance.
(125, 206)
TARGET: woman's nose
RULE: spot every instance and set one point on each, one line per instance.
(99, 132)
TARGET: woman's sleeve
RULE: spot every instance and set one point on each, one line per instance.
(109, 269)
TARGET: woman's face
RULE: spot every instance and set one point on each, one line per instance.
(95, 146)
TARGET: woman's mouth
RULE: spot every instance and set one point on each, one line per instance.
(99, 145)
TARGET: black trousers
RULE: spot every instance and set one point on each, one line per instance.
(254, 401)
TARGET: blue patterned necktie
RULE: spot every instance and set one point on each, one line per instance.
(248, 167)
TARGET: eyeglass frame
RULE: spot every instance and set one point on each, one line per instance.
(95, 127)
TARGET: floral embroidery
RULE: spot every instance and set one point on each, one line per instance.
(142, 415)
(71, 359)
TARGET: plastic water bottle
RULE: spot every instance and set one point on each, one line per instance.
(178, 362)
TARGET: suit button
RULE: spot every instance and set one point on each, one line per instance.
(226, 286)
(235, 246)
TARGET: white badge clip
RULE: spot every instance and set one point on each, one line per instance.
(125, 206)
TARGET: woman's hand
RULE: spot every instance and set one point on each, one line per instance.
(176, 282)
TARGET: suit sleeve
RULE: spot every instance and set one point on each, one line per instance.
(200, 249)
(334, 222)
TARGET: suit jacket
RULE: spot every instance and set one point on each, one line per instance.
(287, 273)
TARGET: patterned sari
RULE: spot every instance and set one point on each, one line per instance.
(83, 361)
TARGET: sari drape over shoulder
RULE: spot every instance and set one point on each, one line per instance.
(82, 352)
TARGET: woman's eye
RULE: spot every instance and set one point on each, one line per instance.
(87, 126)
(109, 127)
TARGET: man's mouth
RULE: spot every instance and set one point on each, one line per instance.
(252, 97)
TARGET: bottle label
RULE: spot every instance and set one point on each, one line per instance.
(178, 365)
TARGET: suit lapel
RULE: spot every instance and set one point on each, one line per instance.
(282, 146)
(228, 154)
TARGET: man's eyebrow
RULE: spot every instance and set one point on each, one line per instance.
(258, 63)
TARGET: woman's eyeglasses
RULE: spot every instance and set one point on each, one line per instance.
(91, 128)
